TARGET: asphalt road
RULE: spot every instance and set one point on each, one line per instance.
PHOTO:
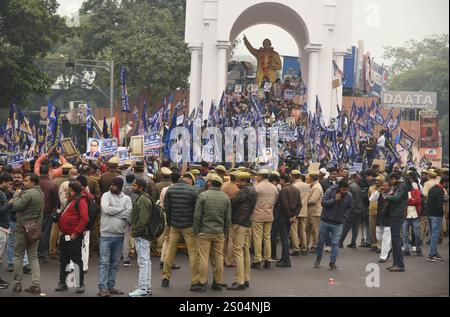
(421, 278)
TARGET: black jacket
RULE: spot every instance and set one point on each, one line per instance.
(436, 197)
(4, 211)
(242, 206)
(326, 184)
(383, 218)
(333, 211)
(179, 204)
(288, 203)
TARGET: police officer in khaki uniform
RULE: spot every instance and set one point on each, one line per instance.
(243, 204)
(314, 210)
(298, 228)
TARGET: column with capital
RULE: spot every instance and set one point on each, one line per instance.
(222, 71)
(313, 51)
(196, 76)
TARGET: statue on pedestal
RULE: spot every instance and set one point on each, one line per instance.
(269, 61)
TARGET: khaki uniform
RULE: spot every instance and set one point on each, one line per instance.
(210, 246)
(373, 210)
(262, 219)
(241, 249)
(230, 189)
(314, 213)
(298, 229)
(424, 219)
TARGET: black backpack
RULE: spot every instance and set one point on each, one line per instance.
(156, 222)
(93, 212)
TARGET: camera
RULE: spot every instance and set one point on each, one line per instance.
(56, 215)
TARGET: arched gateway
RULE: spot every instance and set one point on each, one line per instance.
(321, 28)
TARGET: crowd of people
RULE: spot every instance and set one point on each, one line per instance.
(52, 209)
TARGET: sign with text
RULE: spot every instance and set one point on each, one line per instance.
(152, 144)
(109, 147)
(16, 160)
(409, 100)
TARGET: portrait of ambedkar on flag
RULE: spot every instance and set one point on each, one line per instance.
(94, 149)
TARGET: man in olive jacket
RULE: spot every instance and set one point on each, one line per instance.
(28, 206)
(142, 210)
(179, 204)
(212, 218)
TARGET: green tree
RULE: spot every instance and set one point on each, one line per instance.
(145, 36)
(28, 29)
(423, 65)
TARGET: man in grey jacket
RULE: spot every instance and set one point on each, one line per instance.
(116, 216)
(354, 217)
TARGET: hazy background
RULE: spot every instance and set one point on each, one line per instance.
(378, 22)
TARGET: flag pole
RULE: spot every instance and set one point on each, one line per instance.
(124, 119)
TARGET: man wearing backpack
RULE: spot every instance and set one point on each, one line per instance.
(116, 214)
(140, 217)
(72, 223)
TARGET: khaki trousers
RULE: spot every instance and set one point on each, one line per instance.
(210, 246)
(174, 237)
(21, 244)
(165, 244)
(312, 231)
(54, 237)
(373, 229)
(298, 234)
(261, 232)
(95, 235)
(241, 253)
(228, 249)
(424, 227)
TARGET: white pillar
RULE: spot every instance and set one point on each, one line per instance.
(196, 76)
(313, 51)
(222, 71)
(336, 97)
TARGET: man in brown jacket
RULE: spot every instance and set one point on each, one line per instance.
(262, 219)
(298, 228)
(106, 178)
(230, 189)
(314, 210)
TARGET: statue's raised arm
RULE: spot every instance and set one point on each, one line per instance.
(249, 46)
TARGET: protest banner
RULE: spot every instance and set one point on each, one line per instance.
(152, 144)
(123, 155)
(16, 160)
(109, 147)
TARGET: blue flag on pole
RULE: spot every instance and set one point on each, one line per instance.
(145, 117)
(122, 80)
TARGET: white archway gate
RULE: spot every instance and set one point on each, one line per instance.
(321, 28)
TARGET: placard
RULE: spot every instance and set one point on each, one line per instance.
(109, 147)
(152, 144)
(313, 167)
(355, 168)
(16, 160)
(238, 89)
(94, 145)
(252, 88)
(137, 146)
(289, 94)
(69, 148)
(180, 120)
(267, 87)
(123, 155)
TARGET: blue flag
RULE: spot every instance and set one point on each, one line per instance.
(405, 140)
(88, 119)
(145, 117)
(122, 80)
(105, 131)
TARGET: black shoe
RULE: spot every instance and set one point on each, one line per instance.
(295, 253)
(165, 282)
(161, 265)
(80, 290)
(304, 252)
(236, 287)
(267, 265)
(194, 286)
(199, 288)
(317, 263)
(175, 267)
(247, 284)
(341, 245)
(382, 261)
(26, 269)
(332, 266)
(3, 283)
(352, 246)
(283, 264)
(407, 253)
(216, 287)
(419, 253)
(378, 251)
(10, 268)
(61, 287)
(256, 266)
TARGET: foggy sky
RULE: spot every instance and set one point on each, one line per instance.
(400, 20)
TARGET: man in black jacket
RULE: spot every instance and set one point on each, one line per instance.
(288, 207)
(179, 203)
(336, 201)
(242, 206)
(4, 219)
(436, 199)
(355, 215)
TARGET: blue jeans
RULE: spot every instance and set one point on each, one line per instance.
(435, 231)
(144, 262)
(396, 226)
(327, 230)
(10, 246)
(110, 251)
(415, 223)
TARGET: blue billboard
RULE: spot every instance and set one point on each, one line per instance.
(291, 67)
(349, 69)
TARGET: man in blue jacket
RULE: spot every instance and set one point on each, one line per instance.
(336, 201)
